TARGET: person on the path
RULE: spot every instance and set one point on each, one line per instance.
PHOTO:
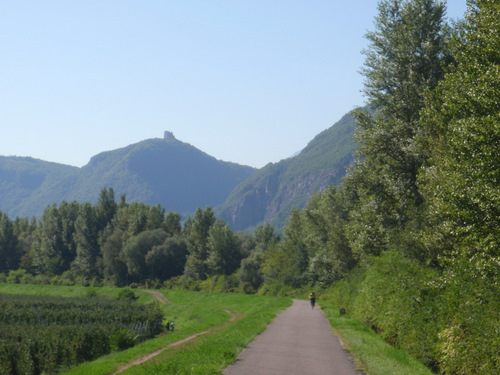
(312, 298)
(283, 350)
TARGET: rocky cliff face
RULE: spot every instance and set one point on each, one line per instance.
(272, 192)
(272, 199)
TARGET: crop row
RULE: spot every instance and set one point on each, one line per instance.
(42, 334)
(42, 310)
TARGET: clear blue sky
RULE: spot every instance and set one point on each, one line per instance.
(247, 81)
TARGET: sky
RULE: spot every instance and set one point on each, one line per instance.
(246, 81)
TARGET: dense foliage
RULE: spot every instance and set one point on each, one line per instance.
(41, 334)
(423, 203)
(409, 242)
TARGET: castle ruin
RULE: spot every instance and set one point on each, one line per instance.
(168, 135)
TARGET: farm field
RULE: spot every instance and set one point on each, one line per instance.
(226, 322)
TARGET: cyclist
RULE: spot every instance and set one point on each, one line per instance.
(312, 299)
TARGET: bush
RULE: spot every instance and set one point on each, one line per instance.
(277, 288)
(17, 276)
(394, 296)
(123, 339)
(127, 294)
(470, 302)
(248, 288)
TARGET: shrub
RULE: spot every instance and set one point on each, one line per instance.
(16, 276)
(127, 294)
(123, 339)
(394, 296)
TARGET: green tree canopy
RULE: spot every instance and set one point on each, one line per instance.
(224, 249)
(404, 60)
(197, 232)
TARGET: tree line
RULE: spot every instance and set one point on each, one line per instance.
(116, 242)
(409, 242)
(121, 243)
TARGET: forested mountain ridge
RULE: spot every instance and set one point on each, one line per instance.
(270, 193)
(28, 185)
(181, 178)
(155, 171)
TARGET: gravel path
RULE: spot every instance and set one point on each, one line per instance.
(298, 341)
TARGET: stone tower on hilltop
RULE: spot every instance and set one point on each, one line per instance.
(168, 135)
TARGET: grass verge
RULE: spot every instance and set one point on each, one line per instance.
(370, 351)
(211, 353)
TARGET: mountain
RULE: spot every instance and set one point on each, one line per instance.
(181, 178)
(28, 185)
(270, 193)
(155, 171)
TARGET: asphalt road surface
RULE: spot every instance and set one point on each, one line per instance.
(298, 341)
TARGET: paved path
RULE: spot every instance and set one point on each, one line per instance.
(299, 341)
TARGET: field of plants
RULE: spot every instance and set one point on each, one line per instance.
(42, 334)
(229, 321)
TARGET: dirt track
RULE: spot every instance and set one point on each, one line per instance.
(299, 341)
(160, 297)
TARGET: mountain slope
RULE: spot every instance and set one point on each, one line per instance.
(156, 171)
(28, 185)
(270, 193)
(166, 171)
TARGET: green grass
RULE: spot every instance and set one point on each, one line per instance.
(210, 353)
(370, 351)
(193, 312)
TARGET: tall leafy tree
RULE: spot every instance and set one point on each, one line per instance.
(325, 219)
(253, 247)
(197, 232)
(461, 187)
(172, 223)
(25, 230)
(404, 59)
(224, 249)
(9, 251)
(155, 217)
(86, 239)
(464, 116)
(135, 251)
(168, 259)
(265, 234)
(113, 266)
(405, 55)
(287, 260)
(106, 208)
(50, 253)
